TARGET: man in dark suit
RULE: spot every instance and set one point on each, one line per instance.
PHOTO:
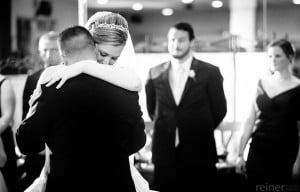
(90, 125)
(48, 51)
(186, 101)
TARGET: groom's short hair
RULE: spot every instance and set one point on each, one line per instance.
(184, 26)
(74, 40)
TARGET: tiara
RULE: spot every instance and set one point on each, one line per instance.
(110, 26)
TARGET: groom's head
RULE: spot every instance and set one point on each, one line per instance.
(181, 40)
(76, 44)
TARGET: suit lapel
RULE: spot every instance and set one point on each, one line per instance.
(166, 82)
(189, 81)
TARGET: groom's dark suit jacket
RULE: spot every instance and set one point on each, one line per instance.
(91, 127)
(33, 163)
(200, 111)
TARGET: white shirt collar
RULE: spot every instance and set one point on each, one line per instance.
(187, 64)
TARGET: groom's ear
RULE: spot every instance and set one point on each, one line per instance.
(192, 43)
(62, 55)
(64, 60)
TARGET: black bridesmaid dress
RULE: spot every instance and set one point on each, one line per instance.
(275, 141)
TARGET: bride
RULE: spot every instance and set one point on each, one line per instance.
(108, 29)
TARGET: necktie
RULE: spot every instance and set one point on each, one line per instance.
(178, 83)
(176, 137)
(178, 86)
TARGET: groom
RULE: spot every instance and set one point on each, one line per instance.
(90, 126)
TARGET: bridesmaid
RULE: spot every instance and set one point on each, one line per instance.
(8, 167)
(274, 156)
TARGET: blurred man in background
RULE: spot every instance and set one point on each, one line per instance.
(48, 51)
(186, 101)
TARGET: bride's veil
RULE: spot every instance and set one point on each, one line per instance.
(127, 57)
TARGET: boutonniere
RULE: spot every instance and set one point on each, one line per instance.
(192, 74)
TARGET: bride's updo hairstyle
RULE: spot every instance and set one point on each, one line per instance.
(109, 28)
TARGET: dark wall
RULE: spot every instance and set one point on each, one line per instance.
(5, 29)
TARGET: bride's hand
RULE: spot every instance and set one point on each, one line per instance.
(35, 95)
(240, 166)
(32, 105)
(63, 74)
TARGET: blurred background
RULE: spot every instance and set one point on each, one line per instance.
(231, 34)
(220, 25)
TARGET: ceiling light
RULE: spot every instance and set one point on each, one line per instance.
(297, 2)
(102, 2)
(137, 6)
(167, 11)
(216, 4)
(187, 1)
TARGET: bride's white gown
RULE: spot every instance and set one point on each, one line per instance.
(141, 184)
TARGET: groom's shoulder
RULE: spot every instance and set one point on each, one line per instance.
(97, 84)
(157, 70)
